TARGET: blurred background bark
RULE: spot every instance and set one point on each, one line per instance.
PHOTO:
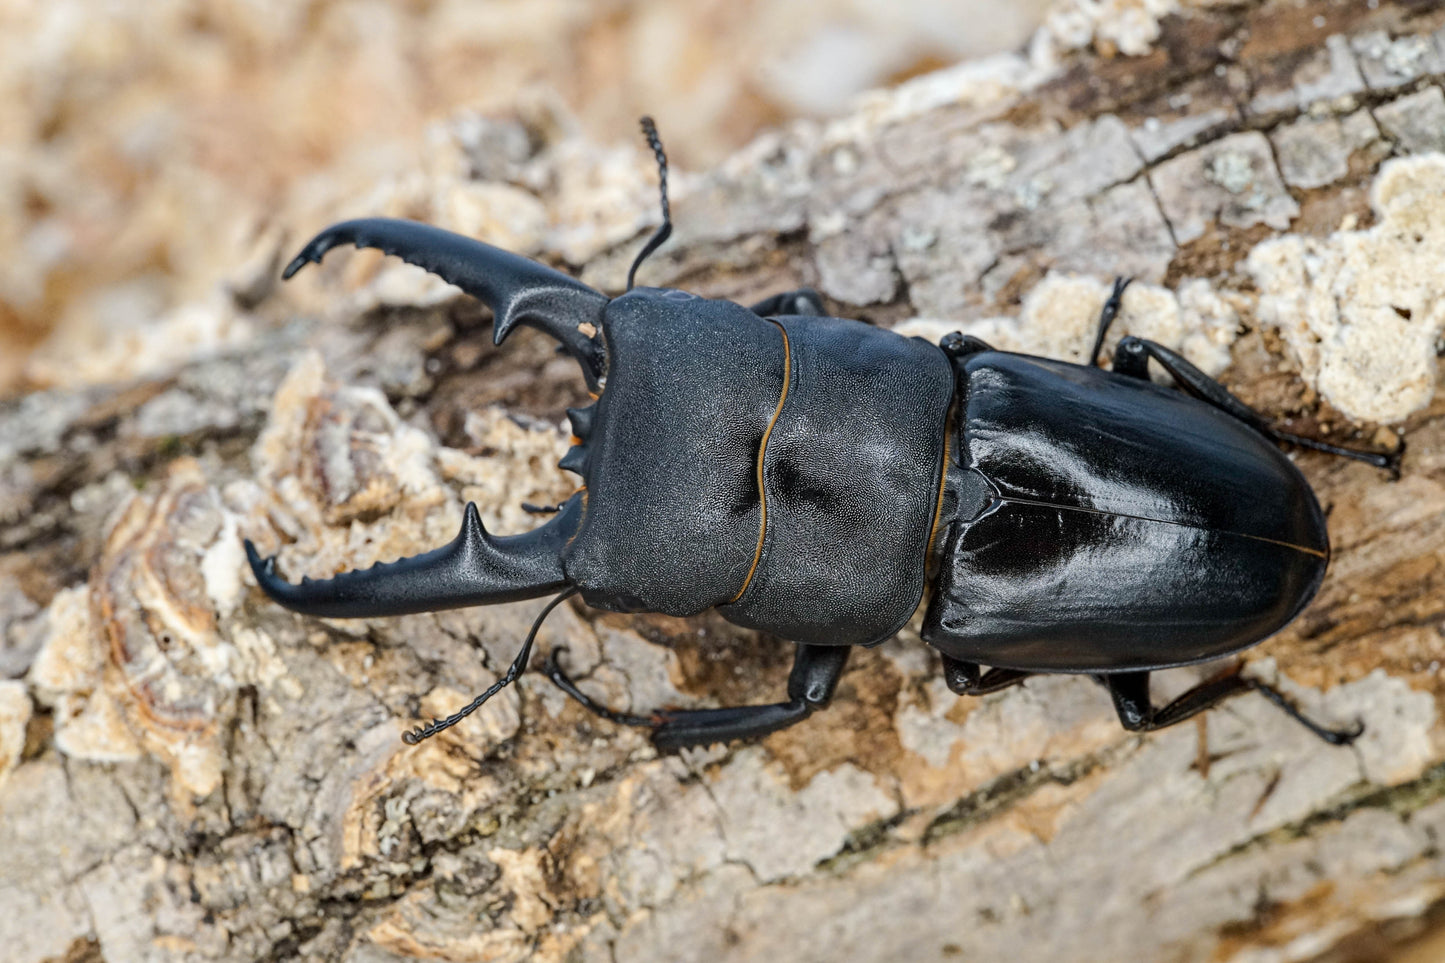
(146, 147)
(188, 772)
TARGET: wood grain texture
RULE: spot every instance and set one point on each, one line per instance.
(188, 772)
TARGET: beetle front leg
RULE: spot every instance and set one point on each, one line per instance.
(1138, 714)
(969, 679)
(815, 675)
(1131, 358)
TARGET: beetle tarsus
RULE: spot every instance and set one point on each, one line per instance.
(1386, 461)
(1335, 737)
(518, 666)
(705, 727)
(1130, 691)
(649, 130)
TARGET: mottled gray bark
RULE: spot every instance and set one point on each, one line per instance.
(189, 772)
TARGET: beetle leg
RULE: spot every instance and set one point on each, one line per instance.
(804, 301)
(968, 679)
(956, 344)
(1132, 356)
(563, 681)
(1107, 316)
(815, 674)
(1137, 714)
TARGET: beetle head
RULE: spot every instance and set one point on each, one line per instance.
(669, 517)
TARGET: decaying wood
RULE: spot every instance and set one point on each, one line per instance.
(189, 772)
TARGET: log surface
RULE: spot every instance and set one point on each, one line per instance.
(188, 772)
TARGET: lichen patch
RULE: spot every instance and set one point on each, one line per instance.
(1060, 317)
(14, 717)
(1362, 311)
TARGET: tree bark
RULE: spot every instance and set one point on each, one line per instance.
(188, 771)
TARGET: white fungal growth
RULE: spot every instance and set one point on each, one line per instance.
(14, 717)
(1060, 317)
(1130, 26)
(1362, 311)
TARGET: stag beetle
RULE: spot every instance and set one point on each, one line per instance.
(804, 475)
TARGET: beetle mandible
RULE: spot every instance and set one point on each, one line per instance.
(806, 476)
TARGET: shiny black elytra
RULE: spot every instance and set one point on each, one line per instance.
(807, 475)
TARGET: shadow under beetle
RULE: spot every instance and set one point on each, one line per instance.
(804, 475)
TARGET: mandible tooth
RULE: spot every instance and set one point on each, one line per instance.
(575, 460)
(581, 419)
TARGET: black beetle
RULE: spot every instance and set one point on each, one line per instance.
(804, 475)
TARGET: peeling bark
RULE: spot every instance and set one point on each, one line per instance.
(189, 772)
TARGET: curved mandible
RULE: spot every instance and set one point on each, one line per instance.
(475, 568)
(517, 289)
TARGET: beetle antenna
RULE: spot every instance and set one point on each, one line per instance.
(519, 665)
(561, 680)
(649, 130)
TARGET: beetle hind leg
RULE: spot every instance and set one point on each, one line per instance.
(815, 674)
(1137, 713)
(1132, 356)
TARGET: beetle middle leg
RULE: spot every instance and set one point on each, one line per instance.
(1131, 358)
(1138, 714)
(815, 675)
